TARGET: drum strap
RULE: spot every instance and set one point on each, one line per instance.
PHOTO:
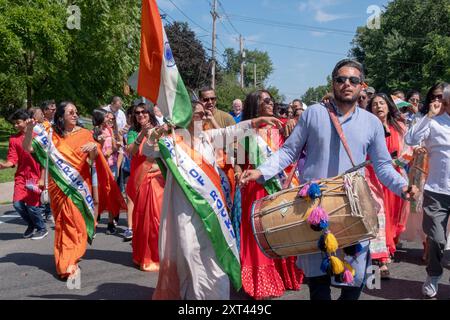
(340, 132)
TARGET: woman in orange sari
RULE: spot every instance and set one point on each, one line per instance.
(67, 147)
(145, 188)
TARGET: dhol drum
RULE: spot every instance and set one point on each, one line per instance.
(280, 224)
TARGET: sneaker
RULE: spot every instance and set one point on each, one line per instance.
(430, 286)
(29, 232)
(111, 228)
(128, 235)
(41, 234)
(50, 219)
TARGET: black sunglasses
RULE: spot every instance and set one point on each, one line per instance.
(353, 80)
(438, 96)
(267, 100)
(140, 112)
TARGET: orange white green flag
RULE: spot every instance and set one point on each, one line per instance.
(159, 79)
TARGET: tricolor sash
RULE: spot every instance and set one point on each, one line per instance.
(202, 186)
(66, 177)
(258, 151)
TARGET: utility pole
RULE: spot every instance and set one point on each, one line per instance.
(254, 74)
(213, 67)
(241, 47)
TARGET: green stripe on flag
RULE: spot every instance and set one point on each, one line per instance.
(255, 156)
(228, 261)
(182, 108)
(69, 190)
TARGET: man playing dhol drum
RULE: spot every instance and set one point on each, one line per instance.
(326, 157)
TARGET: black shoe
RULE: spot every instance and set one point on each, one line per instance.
(111, 228)
(41, 234)
(29, 232)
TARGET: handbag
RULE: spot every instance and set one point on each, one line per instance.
(45, 198)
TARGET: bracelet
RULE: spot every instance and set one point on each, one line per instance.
(137, 143)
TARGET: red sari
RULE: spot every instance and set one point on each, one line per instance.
(146, 190)
(263, 277)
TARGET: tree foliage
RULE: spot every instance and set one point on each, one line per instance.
(264, 65)
(412, 47)
(190, 56)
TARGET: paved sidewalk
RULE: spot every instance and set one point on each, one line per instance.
(6, 192)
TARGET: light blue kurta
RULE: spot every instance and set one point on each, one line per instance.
(326, 157)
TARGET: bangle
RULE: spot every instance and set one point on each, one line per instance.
(137, 143)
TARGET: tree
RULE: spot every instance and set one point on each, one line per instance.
(34, 47)
(412, 48)
(314, 94)
(191, 59)
(264, 65)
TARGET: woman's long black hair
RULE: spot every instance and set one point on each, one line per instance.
(136, 126)
(58, 120)
(251, 104)
(393, 115)
(428, 98)
(98, 117)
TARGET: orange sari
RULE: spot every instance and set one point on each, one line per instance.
(70, 227)
(146, 190)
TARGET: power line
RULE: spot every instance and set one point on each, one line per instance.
(226, 16)
(298, 48)
(182, 12)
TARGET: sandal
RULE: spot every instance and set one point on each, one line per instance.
(385, 273)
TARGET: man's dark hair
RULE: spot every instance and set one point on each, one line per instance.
(348, 63)
(204, 89)
(46, 104)
(396, 92)
(297, 100)
(20, 114)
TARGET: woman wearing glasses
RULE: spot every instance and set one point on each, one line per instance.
(145, 188)
(70, 151)
(262, 277)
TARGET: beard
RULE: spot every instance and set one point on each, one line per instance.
(346, 100)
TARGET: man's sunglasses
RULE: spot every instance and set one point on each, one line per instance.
(353, 80)
(212, 99)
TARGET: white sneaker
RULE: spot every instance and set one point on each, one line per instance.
(430, 286)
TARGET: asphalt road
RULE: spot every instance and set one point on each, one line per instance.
(27, 270)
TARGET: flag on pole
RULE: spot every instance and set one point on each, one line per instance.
(399, 102)
(159, 79)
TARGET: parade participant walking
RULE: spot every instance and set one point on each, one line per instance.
(396, 210)
(326, 158)
(197, 245)
(68, 148)
(26, 200)
(434, 131)
(262, 277)
(145, 189)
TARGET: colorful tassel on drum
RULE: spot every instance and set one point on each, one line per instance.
(318, 219)
(314, 191)
(325, 265)
(349, 273)
(304, 191)
(331, 244)
(353, 250)
(337, 266)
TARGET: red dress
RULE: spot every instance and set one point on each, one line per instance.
(263, 277)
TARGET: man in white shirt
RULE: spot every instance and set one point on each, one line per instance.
(434, 131)
(116, 108)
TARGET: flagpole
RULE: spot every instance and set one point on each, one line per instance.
(174, 137)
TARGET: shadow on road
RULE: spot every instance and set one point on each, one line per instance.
(114, 257)
(398, 289)
(44, 262)
(108, 291)
(11, 236)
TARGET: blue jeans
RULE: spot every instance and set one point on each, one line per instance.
(320, 289)
(31, 215)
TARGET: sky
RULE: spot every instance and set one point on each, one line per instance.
(304, 38)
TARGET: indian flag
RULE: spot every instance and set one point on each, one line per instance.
(159, 79)
(399, 102)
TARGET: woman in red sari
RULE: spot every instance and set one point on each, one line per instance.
(145, 188)
(262, 277)
(384, 109)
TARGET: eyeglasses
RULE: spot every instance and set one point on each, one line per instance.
(72, 113)
(353, 80)
(267, 100)
(362, 97)
(412, 100)
(436, 97)
(140, 112)
(212, 99)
